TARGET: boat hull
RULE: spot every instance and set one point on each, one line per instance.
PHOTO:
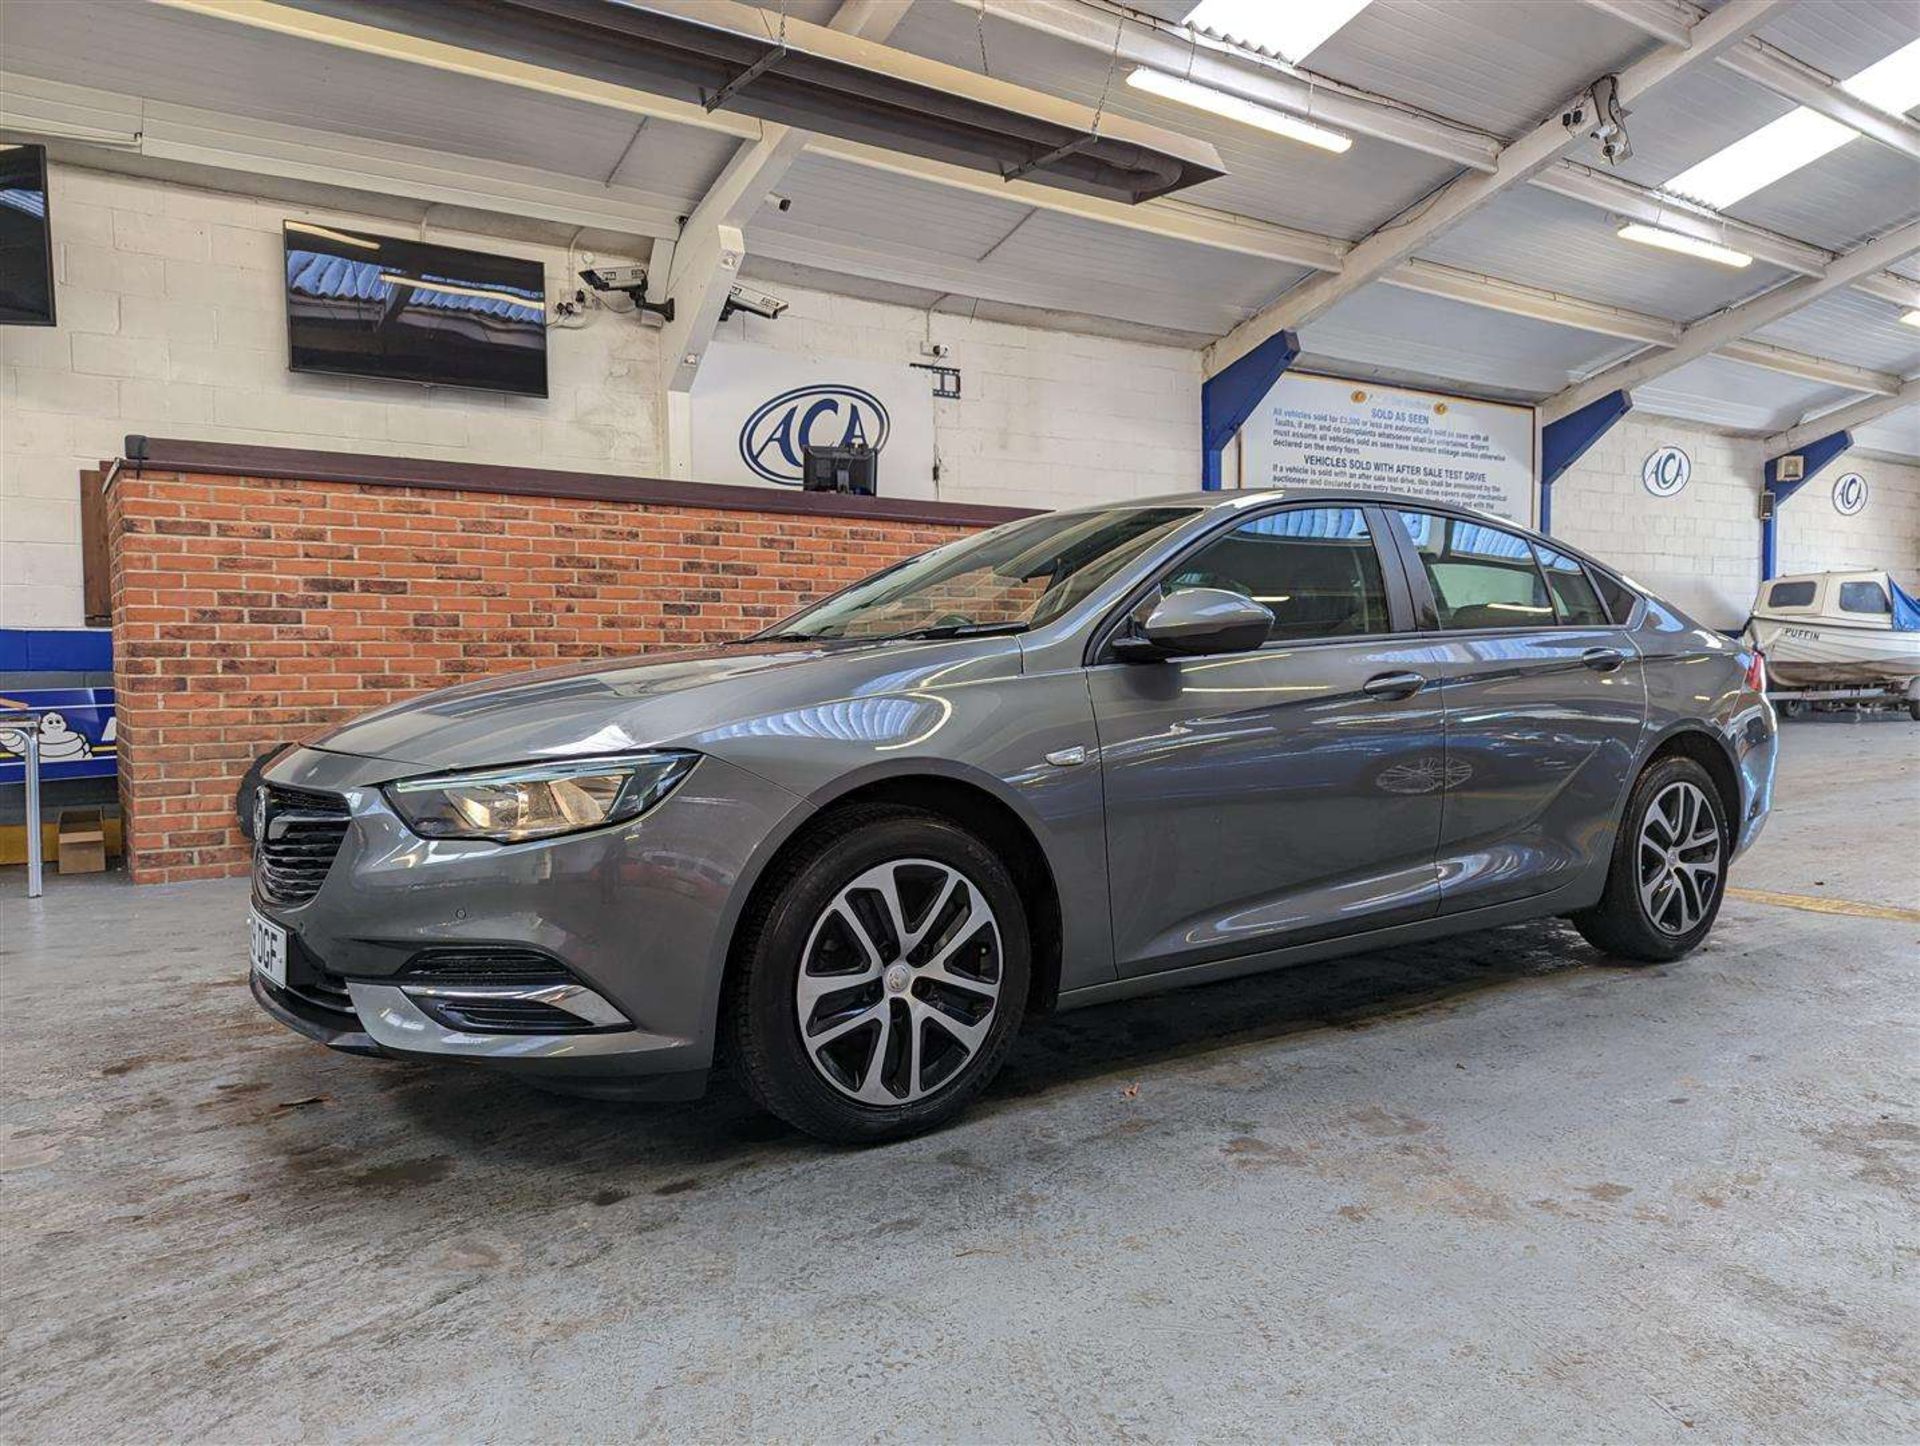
(1810, 653)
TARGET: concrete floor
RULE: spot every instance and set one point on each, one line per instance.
(1487, 1190)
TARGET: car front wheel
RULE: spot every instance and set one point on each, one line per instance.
(1669, 867)
(883, 977)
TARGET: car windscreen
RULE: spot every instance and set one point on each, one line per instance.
(1011, 578)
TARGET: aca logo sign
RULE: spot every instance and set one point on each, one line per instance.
(774, 439)
(1666, 471)
(1850, 494)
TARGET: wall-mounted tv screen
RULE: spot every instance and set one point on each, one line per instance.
(378, 306)
(26, 244)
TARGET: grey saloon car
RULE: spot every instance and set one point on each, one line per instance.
(1083, 756)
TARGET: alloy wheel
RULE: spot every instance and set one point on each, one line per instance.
(1679, 858)
(899, 982)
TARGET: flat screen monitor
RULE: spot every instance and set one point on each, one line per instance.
(379, 306)
(26, 244)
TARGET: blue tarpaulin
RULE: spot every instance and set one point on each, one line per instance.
(1906, 609)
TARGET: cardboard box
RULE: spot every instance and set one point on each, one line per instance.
(83, 841)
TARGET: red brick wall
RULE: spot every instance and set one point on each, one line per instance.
(249, 613)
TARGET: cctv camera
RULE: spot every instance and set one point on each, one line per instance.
(1599, 114)
(616, 278)
(759, 303)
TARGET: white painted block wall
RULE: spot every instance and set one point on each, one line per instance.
(1814, 537)
(172, 323)
(1701, 547)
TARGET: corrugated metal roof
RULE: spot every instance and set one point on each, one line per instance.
(1544, 240)
(1843, 38)
(1841, 201)
(1731, 394)
(1499, 65)
(1851, 327)
(1442, 342)
(1897, 433)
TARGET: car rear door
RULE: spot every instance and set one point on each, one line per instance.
(1545, 702)
(1257, 800)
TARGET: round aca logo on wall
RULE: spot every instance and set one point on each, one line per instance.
(774, 440)
(1666, 471)
(1850, 494)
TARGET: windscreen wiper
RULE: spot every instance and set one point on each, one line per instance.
(952, 630)
(773, 638)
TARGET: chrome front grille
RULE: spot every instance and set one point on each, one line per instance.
(293, 851)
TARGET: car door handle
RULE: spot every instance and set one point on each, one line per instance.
(1603, 660)
(1393, 685)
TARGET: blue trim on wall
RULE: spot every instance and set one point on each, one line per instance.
(1227, 400)
(1818, 455)
(56, 650)
(1566, 441)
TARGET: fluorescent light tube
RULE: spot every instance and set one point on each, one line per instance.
(1685, 245)
(1291, 29)
(1911, 318)
(1234, 108)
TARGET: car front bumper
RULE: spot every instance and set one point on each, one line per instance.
(637, 919)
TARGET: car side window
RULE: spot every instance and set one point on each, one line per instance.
(1573, 593)
(1314, 568)
(1481, 576)
(1864, 597)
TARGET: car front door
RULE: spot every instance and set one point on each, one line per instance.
(1545, 702)
(1262, 799)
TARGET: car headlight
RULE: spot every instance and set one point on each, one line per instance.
(513, 805)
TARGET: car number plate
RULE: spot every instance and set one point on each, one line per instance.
(267, 942)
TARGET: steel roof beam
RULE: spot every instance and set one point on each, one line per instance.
(1731, 325)
(1400, 238)
(1843, 419)
(1802, 84)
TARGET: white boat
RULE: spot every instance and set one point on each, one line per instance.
(1837, 630)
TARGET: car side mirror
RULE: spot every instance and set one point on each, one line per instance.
(1196, 620)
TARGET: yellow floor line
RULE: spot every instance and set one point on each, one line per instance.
(1826, 906)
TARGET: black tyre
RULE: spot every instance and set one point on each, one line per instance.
(1669, 868)
(1913, 710)
(882, 979)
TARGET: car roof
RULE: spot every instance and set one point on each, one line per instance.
(1236, 498)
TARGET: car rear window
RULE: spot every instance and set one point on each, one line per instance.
(1864, 597)
(1618, 597)
(1790, 595)
(1573, 593)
